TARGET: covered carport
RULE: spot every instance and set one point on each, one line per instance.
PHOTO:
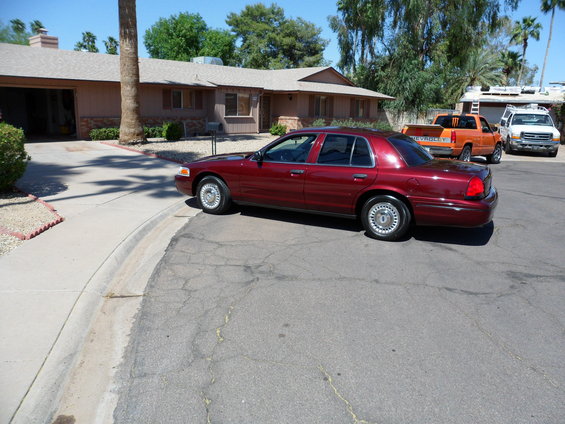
(40, 112)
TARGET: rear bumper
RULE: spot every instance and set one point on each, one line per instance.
(439, 151)
(458, 213)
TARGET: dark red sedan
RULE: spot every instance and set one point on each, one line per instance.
(385, 178)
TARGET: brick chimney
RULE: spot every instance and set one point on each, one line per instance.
(44, 40)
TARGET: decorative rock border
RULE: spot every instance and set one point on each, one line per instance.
(39, 230)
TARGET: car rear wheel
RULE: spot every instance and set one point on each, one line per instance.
(385, 217)
(496, 154)
(465, 154)
(213, 195)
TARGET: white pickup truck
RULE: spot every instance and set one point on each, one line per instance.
(529, 129)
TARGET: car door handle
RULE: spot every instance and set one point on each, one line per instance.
(360, 176)
(297, 171)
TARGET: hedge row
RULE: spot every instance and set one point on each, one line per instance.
(113, 133)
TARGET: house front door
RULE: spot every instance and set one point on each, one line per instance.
(265, 113)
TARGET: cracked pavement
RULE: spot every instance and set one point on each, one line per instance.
(263, 316)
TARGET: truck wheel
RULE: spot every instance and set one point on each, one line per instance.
(553, 154)
(465, 154)
(507, 147)
(496, 154)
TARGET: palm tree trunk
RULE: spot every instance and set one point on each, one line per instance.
(131, 129)
(547, 49)
(523, 63)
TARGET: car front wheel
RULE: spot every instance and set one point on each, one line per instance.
(213, 195)
(385, 217)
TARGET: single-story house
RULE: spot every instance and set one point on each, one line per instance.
(491, 102)
(53, 92)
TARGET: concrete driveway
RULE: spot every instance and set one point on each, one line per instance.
(261, 316)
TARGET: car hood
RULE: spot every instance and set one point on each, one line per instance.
(225, 156)
(535, 129)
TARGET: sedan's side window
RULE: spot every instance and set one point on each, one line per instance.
(292, 149)
(348, 150)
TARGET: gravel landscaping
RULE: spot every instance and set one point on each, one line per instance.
(19, 213)
(192, 148)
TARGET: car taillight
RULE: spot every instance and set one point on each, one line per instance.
(475, 189)
(453, 136)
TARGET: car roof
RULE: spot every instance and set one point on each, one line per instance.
(353, 130)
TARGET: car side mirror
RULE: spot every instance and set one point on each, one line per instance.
(258, 156)
(503, 122)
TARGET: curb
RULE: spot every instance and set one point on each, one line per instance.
(153, 155)
(42, 398)
(39, 230)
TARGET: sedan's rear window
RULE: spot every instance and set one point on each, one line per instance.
(412, 152)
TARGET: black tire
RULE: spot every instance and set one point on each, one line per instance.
(465, 154)
(507, 147)
(385, 217)
(496, 154)
(553, 154)
(213, 195)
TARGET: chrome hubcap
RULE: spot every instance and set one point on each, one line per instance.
(210, 196)
(497, 152)
(384, 218)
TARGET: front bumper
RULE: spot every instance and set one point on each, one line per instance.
(529, 146)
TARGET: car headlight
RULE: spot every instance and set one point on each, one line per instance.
(183, 171)
(516, 136)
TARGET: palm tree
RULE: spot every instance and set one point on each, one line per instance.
(35, 26)
(521, 32)
(546, 6)
(482, 68)
(131, 129)
(510, 62)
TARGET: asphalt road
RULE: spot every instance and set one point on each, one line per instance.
(263, 316)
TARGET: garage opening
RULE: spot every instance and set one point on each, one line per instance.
(41, 112)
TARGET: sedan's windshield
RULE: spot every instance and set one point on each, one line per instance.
(412, 152)
(531, 119)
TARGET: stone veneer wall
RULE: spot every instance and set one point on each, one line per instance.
(192, 125)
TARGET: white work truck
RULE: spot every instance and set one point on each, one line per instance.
(529, 128)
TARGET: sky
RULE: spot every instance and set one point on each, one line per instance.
(68, 19)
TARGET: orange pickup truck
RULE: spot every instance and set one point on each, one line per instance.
(458, 136)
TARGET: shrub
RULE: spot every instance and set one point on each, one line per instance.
(320, 122)
(278, 129)
(172, 131)
(13, 157)
(105, 134)
(377, 125)
(153, 132)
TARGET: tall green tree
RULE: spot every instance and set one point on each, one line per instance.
(521, 33)
(16, 32)
(510, 61)
(546, 7)
(186, 35)
(178, 37)
(35, 26)
(420, 46)
(111, 45)
(88, 43)
(131, 128)
(481, 69)
(270, 40)
(219, 43)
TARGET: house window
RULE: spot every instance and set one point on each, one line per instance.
(176, 99)
(238, 104)
(359, 108)
(321, 106)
